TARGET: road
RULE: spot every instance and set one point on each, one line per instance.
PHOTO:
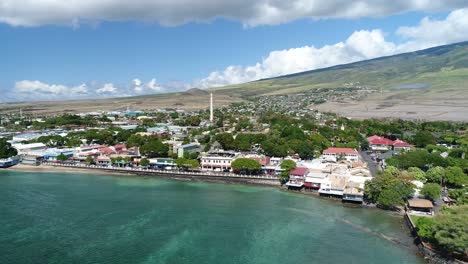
(372, 165)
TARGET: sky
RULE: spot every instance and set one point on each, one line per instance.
(75, 49)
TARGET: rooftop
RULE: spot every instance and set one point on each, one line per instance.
(420, 203)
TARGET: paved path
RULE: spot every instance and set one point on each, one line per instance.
(372, 165)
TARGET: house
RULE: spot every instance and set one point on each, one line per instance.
(381, 144)
(314, 180)
(420, 206)
(399, 145)
(354, 189)
(297, 178)
(334, 154)
(377, 143)
(334, 186)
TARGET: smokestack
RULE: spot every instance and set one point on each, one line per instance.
(211, 107)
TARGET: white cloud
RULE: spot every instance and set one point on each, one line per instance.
(360, 45)
(248, 12)
(150, 87)
(108, 88)
(28, 90)
(431, 32)
(36, 90)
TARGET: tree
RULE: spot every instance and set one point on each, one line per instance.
(225, 140)
(451, 230)
(417, 174)
(287, 166)
(6, 150)
(62, 157)
(154, 149)
(435, 174)
(390, 170)
(388, 191)
(89, 160)
(245, 165)
(144, 162)
(431, 190)
(425, 228)
(423, 138)
(455, 176)
(187, 163)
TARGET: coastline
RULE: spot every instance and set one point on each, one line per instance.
(159, 174)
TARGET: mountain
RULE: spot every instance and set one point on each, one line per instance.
(440, 75)
(440, 67)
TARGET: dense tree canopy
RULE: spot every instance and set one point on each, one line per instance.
(6, 150)
(155, 149)
(455, 176)
(388, 191)
(246, 165)
(431, 190)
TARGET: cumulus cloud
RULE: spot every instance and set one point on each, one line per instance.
(150, 87)
(248, 12)
(360, 45)
(108, 88)
(35, 90)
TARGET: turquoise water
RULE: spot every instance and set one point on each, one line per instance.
(80, 218)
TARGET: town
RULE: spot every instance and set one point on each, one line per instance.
(414, 167)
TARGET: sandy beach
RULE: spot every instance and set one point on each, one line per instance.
(47, 168)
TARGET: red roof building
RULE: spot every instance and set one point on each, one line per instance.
(332, 154)
(299, 171)
(338, 151)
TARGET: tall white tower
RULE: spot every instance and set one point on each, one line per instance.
(211, 107)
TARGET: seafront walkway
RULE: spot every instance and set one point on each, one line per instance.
(146, 171)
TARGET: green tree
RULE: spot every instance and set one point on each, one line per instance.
(451, 230)
(187, 163)
(455, 176)
(62, 157)
(423, 138)
(425, 228)
(388, 191)
(89, 160)
(154, 149)
(417, 174)
(246, 165)
(225, 140)
(431, 190)
(435, 174)
(144, 162)
(6, 150)
(390, 170)
(287, 166)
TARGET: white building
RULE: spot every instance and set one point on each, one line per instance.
(219, 160)
(334, 154)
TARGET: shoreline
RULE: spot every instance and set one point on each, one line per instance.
(135, 173)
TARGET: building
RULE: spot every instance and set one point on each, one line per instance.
(420, 206)
(381, 144)
(188, 148)
(335, 154)
(218, 160)
(297, 178)
(25, 149)
(335, 185)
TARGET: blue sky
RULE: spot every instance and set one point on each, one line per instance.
(98, 56)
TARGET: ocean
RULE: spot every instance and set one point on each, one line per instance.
(86, 218)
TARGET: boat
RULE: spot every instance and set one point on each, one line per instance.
(11, 161)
